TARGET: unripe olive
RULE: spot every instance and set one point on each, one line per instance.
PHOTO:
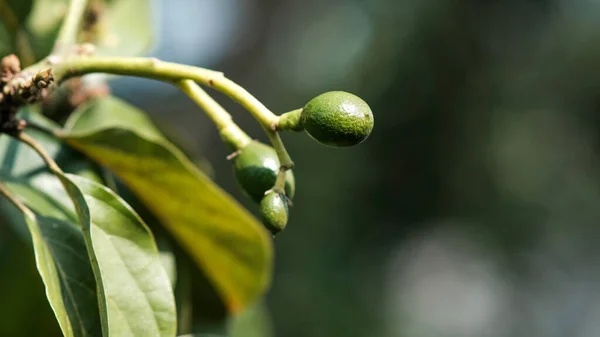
(337, 118)
(274, 212)
(256, 168)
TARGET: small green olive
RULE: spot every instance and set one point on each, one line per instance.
(274, 212)
(338, 118)
(256, 168)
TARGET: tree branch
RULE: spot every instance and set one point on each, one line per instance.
(173, 72)
(165, 71)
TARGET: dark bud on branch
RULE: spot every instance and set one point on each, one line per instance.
(18, 88)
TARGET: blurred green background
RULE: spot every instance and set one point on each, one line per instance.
(474, 207)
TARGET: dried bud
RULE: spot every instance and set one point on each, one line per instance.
(10, 67)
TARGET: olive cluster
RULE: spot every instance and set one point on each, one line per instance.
(336, 118)
(256, 167)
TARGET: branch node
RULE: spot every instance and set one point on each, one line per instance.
(17, 88)
(53, 59)
(154, 62)
(85, 49)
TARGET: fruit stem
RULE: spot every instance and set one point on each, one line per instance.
(285, 161)
(231, 134)
(67, 35)
(279, 186)
(290, 121)
(166, 71)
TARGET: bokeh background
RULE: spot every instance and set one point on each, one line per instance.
(474, 207)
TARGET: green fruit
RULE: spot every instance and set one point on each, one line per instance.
(274, 212)
(337, 118)
(256, 168)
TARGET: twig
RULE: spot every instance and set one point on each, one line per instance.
(67, 35)
(37, 147)
(173, 72)
(165, 71)
(15, 201)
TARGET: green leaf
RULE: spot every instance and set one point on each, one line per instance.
(125, 279)
(17, 9)
(21, 289)
(12, 16)
(124, 27)
(225, 240)
(136, 291)
(13, 13)
(127, 28)
(167, 258)
(6, 41)
(254, 322)
(69, 280)
(43, 23)
(58, 244)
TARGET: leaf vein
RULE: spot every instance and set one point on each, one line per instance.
(70, 294)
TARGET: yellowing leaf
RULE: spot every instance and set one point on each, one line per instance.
(224, 239)
(126, 29)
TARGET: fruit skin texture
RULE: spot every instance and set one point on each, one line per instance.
(256, 168)
(338, 119)
(274, 212)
